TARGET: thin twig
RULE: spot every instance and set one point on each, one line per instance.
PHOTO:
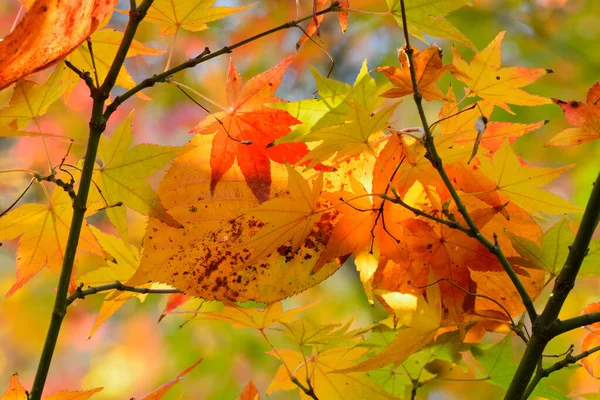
(205, 56)
(545, 372)
(89, 44)
(81, 293)
(84, 75)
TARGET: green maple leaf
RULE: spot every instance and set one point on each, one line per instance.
(426, 17)
(348, 138)
(333, 104)
(123, 172)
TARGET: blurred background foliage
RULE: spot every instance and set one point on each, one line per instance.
(132, 353)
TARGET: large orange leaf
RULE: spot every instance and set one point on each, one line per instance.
(501, 86)
(204, 258)
(248, 127)
(585, 117)
(428, 67)
(50, 30)
(368, 229)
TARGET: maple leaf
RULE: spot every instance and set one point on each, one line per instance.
(347, 139)
(315, 22)
(402, 162)
(250, 392)
(422, 320)
(426, 17)
(123, 264)
(319, 336)
(191, 15)
(495, 132)
(327, 385)
(200, 259)
(161, 391)
(31, 100)
(49, 31)
(521, 185)
(501, 86)
(553, 252)
(43, 230)
(369, 228)
(246, 129)
(585, 117)
(428, 68)
(105, 44)
(333, 104)
(123, 172)
(286, 219)
(241, 317)
(591, 340)
(16, 392)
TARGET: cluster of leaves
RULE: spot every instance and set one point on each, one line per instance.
(271, 197)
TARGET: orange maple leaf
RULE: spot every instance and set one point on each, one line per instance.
(315, 22)
(247, 128)
(428, 67)
(501, 86)
(585, 117)
(50, 30)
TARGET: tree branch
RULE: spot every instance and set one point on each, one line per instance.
(433, 156)
(205, 56)
(545, 372)
(576, 322)
(81, 293)
(84, 75)
(548, 325)
(97, 127)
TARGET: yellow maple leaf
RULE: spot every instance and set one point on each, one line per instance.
(203, 259)
(501, 86)
(350, 138)
(105, 44)
(16, 391)
(31, 100)
(286, 219)
(122, 176)
(255, 318)
(43, 230)
(121, 267)
(422, 320)
(191, 15)
(327, 385)
(522, 185)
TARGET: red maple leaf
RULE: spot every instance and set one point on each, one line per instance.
(248, 127)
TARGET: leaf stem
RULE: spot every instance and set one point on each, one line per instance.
(97, 127)
(81, 293)
(433, 156)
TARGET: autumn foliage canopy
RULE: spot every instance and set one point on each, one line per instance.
(452, 233)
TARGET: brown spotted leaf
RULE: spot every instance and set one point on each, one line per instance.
(204, 258)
